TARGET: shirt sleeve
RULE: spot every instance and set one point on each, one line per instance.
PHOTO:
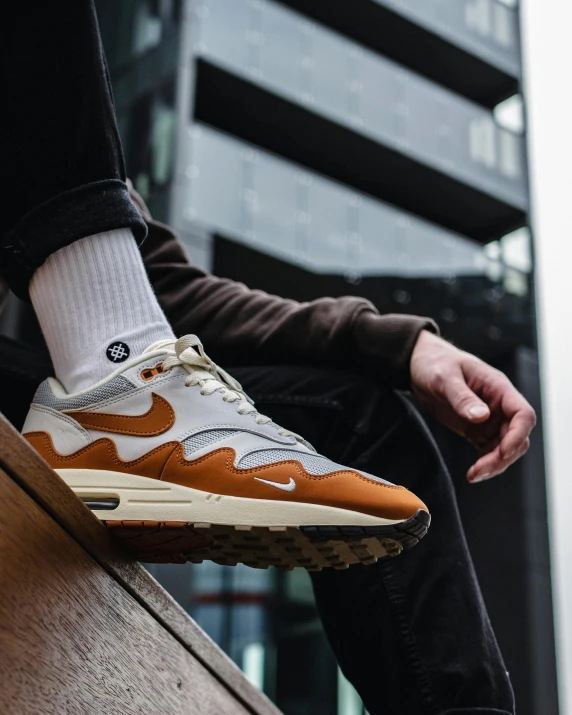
(241, 326)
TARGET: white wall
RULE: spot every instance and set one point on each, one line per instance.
(547, 40)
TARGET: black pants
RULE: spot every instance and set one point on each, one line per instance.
(63, 175)
(411, 633)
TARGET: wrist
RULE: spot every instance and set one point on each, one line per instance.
(385, 344)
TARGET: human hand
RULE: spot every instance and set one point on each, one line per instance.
(473, 399)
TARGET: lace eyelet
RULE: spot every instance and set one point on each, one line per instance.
(151, 372)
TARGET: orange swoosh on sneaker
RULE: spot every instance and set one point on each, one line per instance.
(158, 419)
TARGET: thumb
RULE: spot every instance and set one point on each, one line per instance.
(464, 401)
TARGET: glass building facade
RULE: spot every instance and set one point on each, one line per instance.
(364, 150)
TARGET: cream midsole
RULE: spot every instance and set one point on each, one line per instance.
(142, 498)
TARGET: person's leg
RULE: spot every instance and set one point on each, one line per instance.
(62, 163)
(70, 236)
(411, 633)
(65, 197)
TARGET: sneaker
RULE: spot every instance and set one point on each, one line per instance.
(173, 456)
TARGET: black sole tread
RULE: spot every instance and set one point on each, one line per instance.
(309, 547)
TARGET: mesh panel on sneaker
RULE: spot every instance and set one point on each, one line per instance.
(202, 439)
(312, 463)
(113, 388)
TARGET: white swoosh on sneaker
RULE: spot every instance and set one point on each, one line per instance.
(284, 487)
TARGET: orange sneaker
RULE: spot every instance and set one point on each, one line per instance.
(175, 458)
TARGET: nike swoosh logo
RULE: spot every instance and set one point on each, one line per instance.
(284, 487)
(158, 419)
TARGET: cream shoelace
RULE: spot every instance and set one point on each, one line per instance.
(211, 378)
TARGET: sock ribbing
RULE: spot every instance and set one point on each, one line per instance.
(89, 295)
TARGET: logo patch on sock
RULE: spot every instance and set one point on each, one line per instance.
(118, 352)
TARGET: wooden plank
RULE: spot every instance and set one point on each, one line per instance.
(30, 471)
(74, 641)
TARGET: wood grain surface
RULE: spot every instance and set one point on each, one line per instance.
(73, 641)
(89, 556)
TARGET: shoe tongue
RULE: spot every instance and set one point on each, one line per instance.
(161, 345)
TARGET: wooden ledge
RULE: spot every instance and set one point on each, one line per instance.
(35, 501)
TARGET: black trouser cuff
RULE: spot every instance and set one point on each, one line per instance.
(84, 211)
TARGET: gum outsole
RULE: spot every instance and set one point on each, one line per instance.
(285, 547)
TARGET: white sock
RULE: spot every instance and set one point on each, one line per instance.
(91, 295)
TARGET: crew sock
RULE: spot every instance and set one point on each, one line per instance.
(96, 307)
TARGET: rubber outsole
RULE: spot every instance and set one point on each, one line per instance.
(285, 547)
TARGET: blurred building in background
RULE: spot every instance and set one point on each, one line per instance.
(374, 148)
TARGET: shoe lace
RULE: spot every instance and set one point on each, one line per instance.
(211, 378)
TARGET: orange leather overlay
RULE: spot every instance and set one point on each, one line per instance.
(102, 454)
(158, 419)
(346, 489)
(216, 473)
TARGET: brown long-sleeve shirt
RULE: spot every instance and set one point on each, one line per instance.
(240, 326)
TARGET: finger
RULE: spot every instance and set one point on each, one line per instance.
(492, 463)
(516, 415)
(487, 435)
(519, 429)
(463, 400)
